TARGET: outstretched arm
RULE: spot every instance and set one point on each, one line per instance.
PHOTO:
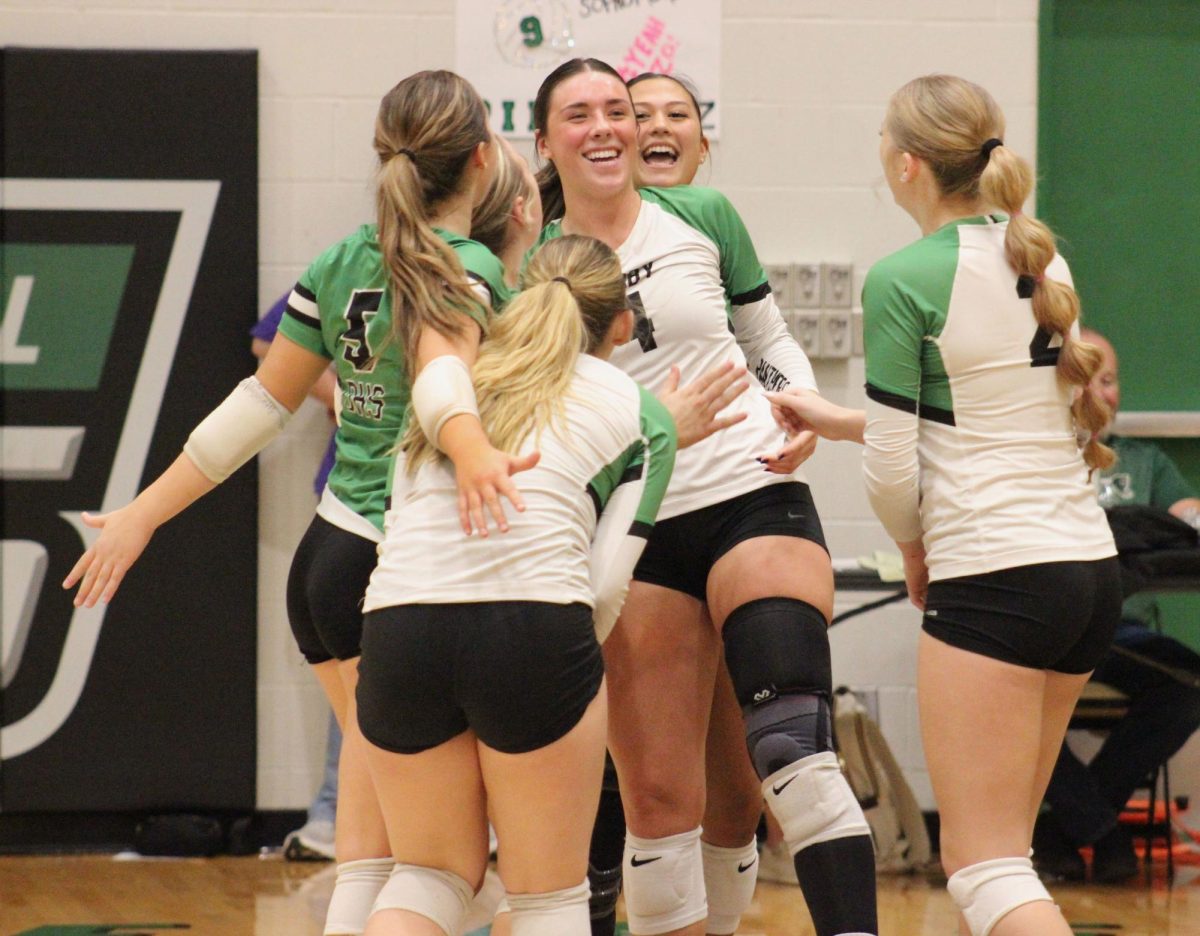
(230, 436)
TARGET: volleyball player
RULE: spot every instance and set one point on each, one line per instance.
(738, 553)
(981, 432)
(436, 161)
(482, 687)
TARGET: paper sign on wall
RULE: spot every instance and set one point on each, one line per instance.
(506, 47)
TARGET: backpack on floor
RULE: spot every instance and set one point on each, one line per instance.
(897, 826)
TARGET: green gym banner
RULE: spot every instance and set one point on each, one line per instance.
(128, 266)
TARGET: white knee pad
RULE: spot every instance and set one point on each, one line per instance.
(555, 913)
(986, 891)
(358, 884)
(442, 896)
(813, 802)
(729, 878)
(664, 883)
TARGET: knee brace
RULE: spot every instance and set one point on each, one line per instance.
(606, 888)
(777, 651)
(556, 913)
(729, 878)
(664, 883)
(813, 802)
(988, 890)
(440, 896)
(358, 884)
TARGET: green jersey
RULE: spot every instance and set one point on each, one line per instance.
(342, 309)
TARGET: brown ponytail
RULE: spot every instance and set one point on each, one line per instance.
(427, 128)
(952, 125)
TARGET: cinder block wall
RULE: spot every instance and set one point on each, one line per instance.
(803, 90)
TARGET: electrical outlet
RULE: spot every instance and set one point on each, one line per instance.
(837, 285)
(857, 346)
(806, 329)
(837, 340)
(806, 286)
(779, 275)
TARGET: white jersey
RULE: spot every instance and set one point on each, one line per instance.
(970, 443)
(701, 298)
(607, 469)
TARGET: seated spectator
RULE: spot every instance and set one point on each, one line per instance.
(1086, 800)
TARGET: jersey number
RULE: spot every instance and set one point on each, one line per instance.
(1040, 352)
(643, 328)
(363, 305)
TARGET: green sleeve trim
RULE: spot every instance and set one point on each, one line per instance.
(658, 429)
(713, 215)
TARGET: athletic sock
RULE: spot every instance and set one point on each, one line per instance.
(838, 881)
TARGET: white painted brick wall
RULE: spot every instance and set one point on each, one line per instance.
(804, 88)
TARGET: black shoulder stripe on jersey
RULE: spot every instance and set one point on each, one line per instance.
(632, 473)
(757, 294)
(595, 496)
(894, 400)
(936, 414)
(305, 292)
(904, 404)
(303, 319)
(640, 528)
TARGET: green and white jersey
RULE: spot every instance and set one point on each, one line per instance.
(342, 309)
(969, 439)
(701, 298)
(603, 470)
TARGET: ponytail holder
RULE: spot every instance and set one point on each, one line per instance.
(562, 279)
(405, 151)
(989, 145)
(1026, 283)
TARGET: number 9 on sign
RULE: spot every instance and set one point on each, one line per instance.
(533, 33)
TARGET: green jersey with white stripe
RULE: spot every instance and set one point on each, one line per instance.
(342, 309)
(970, 440)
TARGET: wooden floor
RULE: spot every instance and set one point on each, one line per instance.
(266, 896)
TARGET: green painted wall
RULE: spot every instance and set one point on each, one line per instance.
(1119, 167)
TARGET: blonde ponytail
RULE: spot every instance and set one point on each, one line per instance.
(427, 129)
(573, 289)
(956, 127)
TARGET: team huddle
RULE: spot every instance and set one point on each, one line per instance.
(561, 520)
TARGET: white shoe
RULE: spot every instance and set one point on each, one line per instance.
(313, 841)
(775, 865)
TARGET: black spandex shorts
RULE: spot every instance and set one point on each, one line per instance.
(518, 673)
(682, 550)
(1054, 615)
(325, 590)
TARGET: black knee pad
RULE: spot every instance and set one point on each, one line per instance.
(775, 646)
(777, 650)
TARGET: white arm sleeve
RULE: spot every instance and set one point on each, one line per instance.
(237, 430)
(772, 354)
(616, 547)
(891, 470)
(442, 391)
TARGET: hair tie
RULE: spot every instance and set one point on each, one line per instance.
(989, 145)
(405, 151)
(562, 279)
